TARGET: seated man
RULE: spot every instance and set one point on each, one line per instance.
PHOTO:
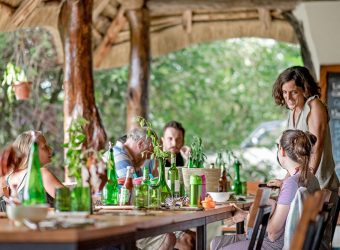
(173, 141)
(133, 152)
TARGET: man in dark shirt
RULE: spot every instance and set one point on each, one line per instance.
(173, 141)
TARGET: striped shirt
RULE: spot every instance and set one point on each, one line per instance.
(123, 159)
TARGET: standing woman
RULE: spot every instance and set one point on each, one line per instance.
(296, 89)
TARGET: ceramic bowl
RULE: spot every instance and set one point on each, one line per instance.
(33, 213)
(36, 213)
(15, 213)
(220, 196)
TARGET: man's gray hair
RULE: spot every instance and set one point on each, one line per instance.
(137, 134)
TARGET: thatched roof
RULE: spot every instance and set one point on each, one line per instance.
(175, 24)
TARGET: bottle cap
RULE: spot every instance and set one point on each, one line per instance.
(137, 181)
(195, 180)
(121, 181)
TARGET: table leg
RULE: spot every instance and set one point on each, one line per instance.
(240, 227)
(201, 237)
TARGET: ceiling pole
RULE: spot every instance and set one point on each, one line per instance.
(139, 68)
(75, 28)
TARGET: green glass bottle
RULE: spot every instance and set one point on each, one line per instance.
(164, 189)
(237, 184)
(173, 177)
(34, 192)
(110, 191)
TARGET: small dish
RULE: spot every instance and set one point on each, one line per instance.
(220, 197)
(32, 213)
(35, 213)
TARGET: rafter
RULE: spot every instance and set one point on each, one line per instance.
(265, 17)
(162, 6)
(25, 9)
(187, 21)
(111, 34)
(98, 7)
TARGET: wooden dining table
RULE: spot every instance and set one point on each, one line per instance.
(115, 227)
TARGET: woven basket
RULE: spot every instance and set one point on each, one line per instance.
(212, 176)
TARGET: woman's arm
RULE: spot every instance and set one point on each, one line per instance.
(317, 124)
(50, 182)
(277, 222)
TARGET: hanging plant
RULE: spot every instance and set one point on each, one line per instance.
(15, 78)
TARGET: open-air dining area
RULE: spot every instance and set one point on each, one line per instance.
(169, 124)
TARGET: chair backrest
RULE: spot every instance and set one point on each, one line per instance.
(335, 198)
(259, 217)
(261, 198)
(252, 187)
(311, 223)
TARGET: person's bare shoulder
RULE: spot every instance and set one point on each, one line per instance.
(318, 108)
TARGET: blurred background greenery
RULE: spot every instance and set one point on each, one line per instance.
(220, 91)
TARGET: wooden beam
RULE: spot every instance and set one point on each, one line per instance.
(187, 21)
(98, 7)
(24, 10)
(139, 70)
(112, 32)
(300, 34)
(161, 6)
(265, 17)
(75, 29)
(324, 70)
(131, 4)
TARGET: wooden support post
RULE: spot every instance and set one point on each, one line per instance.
(299, 31)
(139, 70)
(75, 29)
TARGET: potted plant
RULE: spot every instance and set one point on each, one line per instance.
(197, 155)
(15, 78)
(76, 163)
(160, 155)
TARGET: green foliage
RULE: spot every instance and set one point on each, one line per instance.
(75, 159)
(12, 75)
(197, 153)
(219, 91)
(150, 133)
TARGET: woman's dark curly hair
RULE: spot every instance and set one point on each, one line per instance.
(302, 78)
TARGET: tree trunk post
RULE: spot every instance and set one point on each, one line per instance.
(139, 69)
(75, 28)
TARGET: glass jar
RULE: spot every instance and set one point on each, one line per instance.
(154, 195)
(140, 193)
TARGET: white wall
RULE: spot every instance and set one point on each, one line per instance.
(321, 22)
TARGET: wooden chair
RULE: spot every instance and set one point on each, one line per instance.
(252, 187)
(259, 217)
(335, 213)
(312, 223)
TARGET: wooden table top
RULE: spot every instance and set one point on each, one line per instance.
(106, 224)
